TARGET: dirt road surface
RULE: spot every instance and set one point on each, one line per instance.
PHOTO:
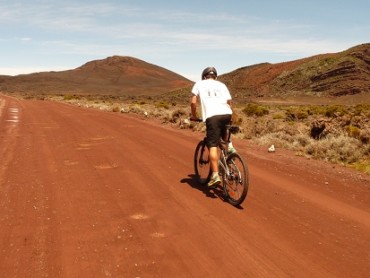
(86, 193)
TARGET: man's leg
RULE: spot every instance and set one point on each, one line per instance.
(213, 138)
(213, 156)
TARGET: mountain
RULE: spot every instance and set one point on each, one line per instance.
(332, 75)
(116, 75)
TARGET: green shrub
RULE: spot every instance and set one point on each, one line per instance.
(162, 104)
(334, 110)
(317, 110)
(342, 149)
(116, 108)
(353, 131)
(363, 166)
(136, 109)
(177, 115)
(297, 113)
(278, 116)
(236, 119)
(303, 140)
(253, 109)
(71, 97)
(362, 109)
(365, 136)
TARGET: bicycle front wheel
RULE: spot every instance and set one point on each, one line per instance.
(202, 166)
(236, 181)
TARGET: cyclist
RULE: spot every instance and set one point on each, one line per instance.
(215, 100)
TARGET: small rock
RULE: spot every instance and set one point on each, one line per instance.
(271, 149)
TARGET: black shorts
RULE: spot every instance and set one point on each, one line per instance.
(216, 128)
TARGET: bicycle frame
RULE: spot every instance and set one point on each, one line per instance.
(222, 147)
(222, 164)
(232, 168)
(222, 159)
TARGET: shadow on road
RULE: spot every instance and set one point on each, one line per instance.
(210, 193)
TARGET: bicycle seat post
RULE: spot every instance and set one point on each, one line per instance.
(222, 145)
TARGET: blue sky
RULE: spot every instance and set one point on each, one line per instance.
(182, 36)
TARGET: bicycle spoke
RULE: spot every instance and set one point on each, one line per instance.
(236, 185)
(201, 163)
(232, 168)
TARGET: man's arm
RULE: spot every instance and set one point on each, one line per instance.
(193, 106)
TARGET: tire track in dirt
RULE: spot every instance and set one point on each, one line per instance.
(9, 125)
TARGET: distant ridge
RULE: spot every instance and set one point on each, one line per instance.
(341, 76)
(116, 75)
(326, 75)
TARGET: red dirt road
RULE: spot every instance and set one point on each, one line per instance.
(85, 193)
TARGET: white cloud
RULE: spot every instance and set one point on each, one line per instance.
(26, 70)
(52, 32)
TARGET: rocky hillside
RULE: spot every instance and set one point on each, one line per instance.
(327, 75)
(115, 75)
(336, 77)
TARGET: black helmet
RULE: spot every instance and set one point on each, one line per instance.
(209, 71)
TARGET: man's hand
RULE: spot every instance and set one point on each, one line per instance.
(195, 119)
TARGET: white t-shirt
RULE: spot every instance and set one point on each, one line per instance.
(213, 96)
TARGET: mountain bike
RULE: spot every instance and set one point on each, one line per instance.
(232, 169)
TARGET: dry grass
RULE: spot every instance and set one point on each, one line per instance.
(344, 138)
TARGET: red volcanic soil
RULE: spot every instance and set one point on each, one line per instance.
(86, 193)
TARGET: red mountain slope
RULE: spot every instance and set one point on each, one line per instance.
(334, 75)
(115, 75)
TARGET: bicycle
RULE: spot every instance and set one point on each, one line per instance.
(232, 169)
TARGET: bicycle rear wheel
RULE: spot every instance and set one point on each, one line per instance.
(236, 182)
(202, 166)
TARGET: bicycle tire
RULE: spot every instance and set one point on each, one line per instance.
(202, 166)
(236, 182)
